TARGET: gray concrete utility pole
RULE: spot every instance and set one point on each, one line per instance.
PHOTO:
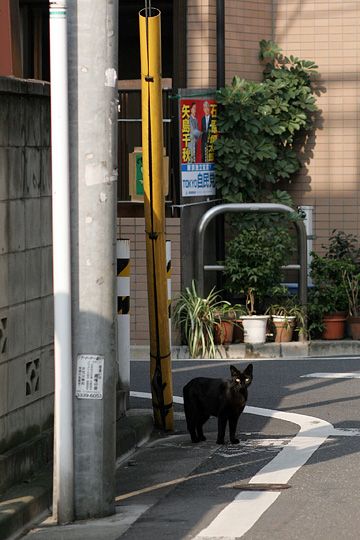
(93, 63)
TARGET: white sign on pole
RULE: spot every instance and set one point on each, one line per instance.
(89, 376)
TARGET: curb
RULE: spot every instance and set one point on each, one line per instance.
(294, 349)
(23, 503)
(134, 429)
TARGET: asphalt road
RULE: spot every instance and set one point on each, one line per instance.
(185, 491)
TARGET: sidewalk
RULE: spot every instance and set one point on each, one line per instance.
(148, 476)
(25, 503)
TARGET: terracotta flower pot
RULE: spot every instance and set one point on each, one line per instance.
(223, 332)
(284, 328)
(334, 326)
(354, 324)
(238, 332)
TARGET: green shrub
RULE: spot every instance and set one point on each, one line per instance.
(335, 276)
(262, 126)
(254, 259)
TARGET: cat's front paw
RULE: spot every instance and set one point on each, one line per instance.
(234, 441)
(220, 441)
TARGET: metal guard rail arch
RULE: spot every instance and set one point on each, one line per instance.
(249, 207)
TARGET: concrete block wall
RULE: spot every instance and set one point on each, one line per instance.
(26, 303)
(133, 229)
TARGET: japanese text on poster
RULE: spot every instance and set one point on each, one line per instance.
(198, 133)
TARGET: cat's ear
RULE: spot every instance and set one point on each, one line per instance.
(234, 372)
(248, 372)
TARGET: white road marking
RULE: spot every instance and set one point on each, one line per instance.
(147, 395)
(239, 516)
(345, 432)
(252, 445)
(349, 375)
(247, 507)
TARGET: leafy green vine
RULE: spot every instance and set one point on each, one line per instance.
(262, 126)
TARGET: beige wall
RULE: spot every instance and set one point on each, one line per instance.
(201, 44)
(134, 230)
(327, 32)
(246, 23)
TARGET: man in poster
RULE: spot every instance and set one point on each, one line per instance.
(205, 128)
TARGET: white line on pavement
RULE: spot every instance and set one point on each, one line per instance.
(349, 375)
(241, 514)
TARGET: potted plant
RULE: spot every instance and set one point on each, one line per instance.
(238, 311)
(227, 320)
(328, 301)
(252, 268)
(198, 316)
(352, 287)
(254, 325)
(286, 317)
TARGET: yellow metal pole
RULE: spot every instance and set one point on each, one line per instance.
(154, 206)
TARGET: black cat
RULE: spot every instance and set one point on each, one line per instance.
(226, 399)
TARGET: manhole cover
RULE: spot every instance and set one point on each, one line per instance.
(260, 487)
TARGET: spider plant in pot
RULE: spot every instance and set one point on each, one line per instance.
(224, 326)
(197, 317)
(235, 313)
(286, 317)
(229, 324)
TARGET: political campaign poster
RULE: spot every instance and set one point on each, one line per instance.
(198, 133)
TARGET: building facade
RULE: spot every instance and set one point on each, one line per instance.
(325, 31)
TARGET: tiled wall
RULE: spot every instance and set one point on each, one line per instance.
(327, 31)
(133, 229)
(246, 23)
(201, 43)
(26, 305)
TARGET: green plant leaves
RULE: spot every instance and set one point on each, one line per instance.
(197, 317)
(261, 124)
(254, 258)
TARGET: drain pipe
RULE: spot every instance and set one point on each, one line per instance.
(220, 43)
(63, 496)
(220, 83)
